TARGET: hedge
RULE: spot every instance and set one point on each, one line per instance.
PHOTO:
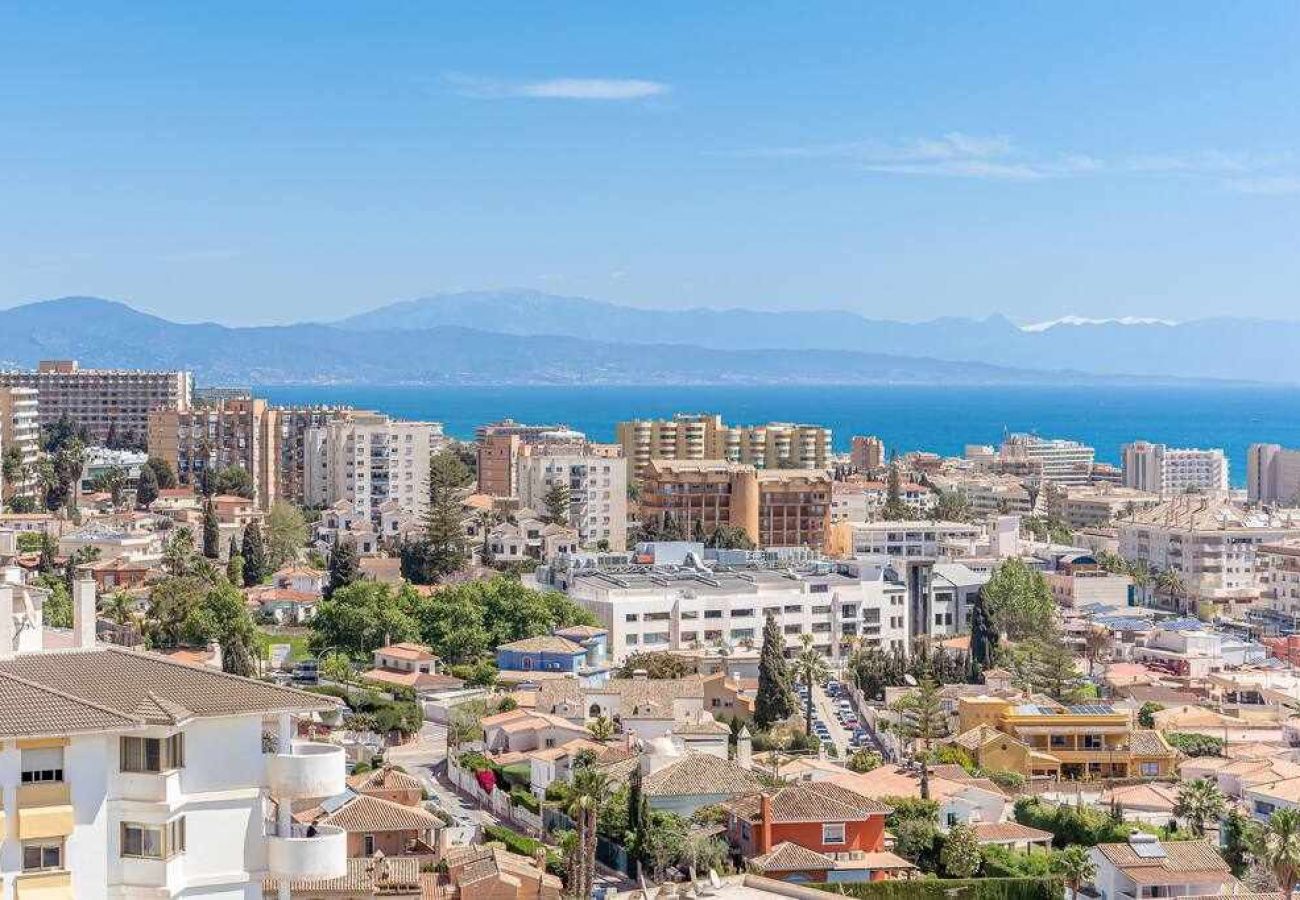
(526, 846)
(950, 889)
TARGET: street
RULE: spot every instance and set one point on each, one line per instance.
(824, 709)
(424, 758)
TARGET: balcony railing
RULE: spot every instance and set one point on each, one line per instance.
(295, 855)
(309, 769)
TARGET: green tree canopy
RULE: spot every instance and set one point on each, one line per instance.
(774, 701)
(360, 617)
(1018, 601)
(286, 534)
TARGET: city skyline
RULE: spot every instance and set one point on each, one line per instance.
(251, 165)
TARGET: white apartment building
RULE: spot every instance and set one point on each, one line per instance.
(103, 400)
(861, 501)
(368, 458)
(990, 495)
(1100, 504)
(1158, 469)
(597, 491)
(1273, 474)
(1062, 461)
(776, 445)
(1210, 543)
(127, 775)
(20, 436)
(680, 608)
(907, 539)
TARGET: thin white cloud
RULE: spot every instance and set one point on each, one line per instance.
(557, 88)
(996, 157)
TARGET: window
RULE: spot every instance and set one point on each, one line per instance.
(41, 855)
(368, 845)
(818, 588)
(1151, 770)
(153, 754)
(833, 833)
(631, 617)
(43, 764)
(154, 841)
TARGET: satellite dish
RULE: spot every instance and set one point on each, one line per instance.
(909, 681)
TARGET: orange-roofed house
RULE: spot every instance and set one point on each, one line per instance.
(813, 831)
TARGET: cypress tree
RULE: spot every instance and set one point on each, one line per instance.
(254, 553)
(774, 701)
(344, 566)
(211, 531)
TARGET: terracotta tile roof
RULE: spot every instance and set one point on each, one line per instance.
(700, 773)
(581, 631)
(546, 643)
(1007, 832)
(1145, 742)
(385, 779)
(367, 813)
(1184, 862)
(420, 681)
(790, 857)
(812, 801)
(1149, 797)
(28, 709)
(122, 681)
(362, 877)
(638, 697)
(408, 650)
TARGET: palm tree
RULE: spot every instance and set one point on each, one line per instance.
(1200, 801)
(809, 667)
(1277, 845)
(921, 719)
(1075, 866)
(120, 608)
(602, 729)
(588, 790)
(1170, 583)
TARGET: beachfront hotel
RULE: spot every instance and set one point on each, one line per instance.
(776, 445)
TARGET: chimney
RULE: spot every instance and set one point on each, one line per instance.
(83, 613)
(744, 749)
(764, 824)
(6, 622)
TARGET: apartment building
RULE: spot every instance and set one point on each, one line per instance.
(597, 485)
(201, 440)
(1273, 475)
(906, 539)
(1210, 543)
(867, 453)
(20, 439)
(106, 402)
(681, 608)
(776, 445)
(776, 508)
(292, 424)
(856, 500)
(1087, 506)
(1058, 460)
(1278, 566)
(1158, 469)
(989, 495)
(500, 443)
(125, 774)
(1040, 739)
(368, 459)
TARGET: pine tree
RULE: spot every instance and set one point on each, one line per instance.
(922, 720)
(344, 566)
(983, 636)
(894, 509)
(774, 701)
(211, 531)
(254, 554)
(146, 486)
(556, 501)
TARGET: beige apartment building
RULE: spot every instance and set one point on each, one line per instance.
(20, 437)
(107, 402)
(292, 424)
(500, 444)
(368, 459)
(597, 483)
(239, 432)
(776, 508)
(776, 445)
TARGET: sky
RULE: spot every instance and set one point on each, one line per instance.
(277, 162)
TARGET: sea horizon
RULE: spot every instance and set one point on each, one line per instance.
(940, 419)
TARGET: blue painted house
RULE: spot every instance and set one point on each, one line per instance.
(578, 651)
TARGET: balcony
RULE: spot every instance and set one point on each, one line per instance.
(44, 810)
(310, 769)
(294, 855)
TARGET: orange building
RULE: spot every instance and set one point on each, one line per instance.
(775, 507)
(814, 831)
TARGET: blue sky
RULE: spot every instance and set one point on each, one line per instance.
(276, 162)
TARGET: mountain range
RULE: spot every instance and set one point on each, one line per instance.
(525, 337)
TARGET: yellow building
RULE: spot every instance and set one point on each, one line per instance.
(1050, 740)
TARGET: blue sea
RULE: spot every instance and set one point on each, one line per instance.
(940, 419)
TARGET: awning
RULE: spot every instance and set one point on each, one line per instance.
(45, 821)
